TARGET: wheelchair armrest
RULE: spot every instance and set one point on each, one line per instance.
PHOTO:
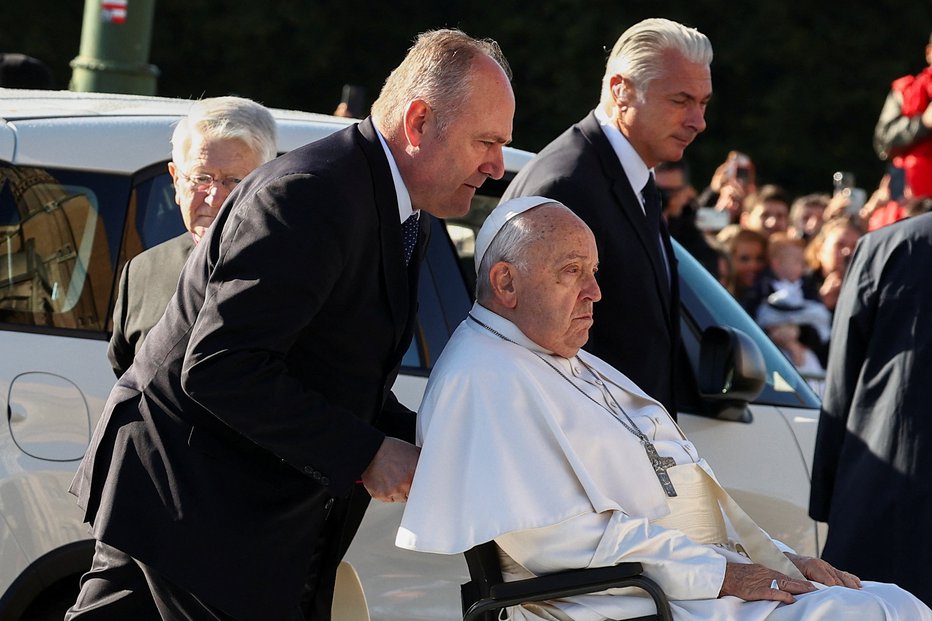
(565, 583)
(569, 583)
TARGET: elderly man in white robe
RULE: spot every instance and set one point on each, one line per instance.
(561, 460)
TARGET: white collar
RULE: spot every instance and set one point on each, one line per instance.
(504, 327)
(401, 190)
(635, 168)
(514, 334)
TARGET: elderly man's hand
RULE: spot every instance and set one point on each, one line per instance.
(388, 477)
(820, 571)
(751, 582)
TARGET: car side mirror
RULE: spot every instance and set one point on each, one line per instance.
(732, 372)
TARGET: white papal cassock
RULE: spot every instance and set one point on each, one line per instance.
(514, 452)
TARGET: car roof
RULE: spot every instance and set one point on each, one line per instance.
(114, 132)
(22, 104)
(125, 133)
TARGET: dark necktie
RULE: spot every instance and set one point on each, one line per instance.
(652, 211)
(652, 207)
(409, 230)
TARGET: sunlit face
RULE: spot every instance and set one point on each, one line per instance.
(672, 113)
(789, 263)
(446, 169)
(556, 288)
(768, 217)
(748, 262)
(836, 250)
(221, 159)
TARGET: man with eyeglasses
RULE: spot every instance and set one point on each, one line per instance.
(220, 141)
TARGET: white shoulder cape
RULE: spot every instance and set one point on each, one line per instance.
(508, 444)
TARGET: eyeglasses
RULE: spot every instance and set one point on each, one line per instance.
(201, 182)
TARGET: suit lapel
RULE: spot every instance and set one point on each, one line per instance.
(394, 273)
(629, 205)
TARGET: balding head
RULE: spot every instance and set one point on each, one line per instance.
(539, 273)
(446, 114)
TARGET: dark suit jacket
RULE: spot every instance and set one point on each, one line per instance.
(873, 453)
(637, 322)
(147, 284)
(254, 401)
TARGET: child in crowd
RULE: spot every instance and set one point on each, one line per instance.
(786, 271)
(791, 311)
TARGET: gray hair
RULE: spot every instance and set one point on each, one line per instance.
(510, 244)
(437, 69)
(638, 54)
(227, 118)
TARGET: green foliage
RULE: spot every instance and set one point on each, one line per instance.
(797, 85)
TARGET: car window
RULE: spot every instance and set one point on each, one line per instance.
(157, 218)
(59, 231)
(706, 303)
(152, 216)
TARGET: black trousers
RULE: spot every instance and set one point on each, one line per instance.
(334, 540)
(119, 587)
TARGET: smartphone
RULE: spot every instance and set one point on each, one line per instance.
(842, 180)
(897, 182)
(740, 168)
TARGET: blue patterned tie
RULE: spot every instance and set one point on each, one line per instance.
(409, 230)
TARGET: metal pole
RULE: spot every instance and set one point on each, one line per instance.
(115, 40)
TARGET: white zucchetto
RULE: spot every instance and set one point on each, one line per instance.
(500, 216)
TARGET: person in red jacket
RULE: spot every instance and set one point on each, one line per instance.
(903, 133)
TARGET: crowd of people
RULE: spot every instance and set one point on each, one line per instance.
(783, 258)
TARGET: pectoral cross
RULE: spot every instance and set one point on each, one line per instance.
(661, 465)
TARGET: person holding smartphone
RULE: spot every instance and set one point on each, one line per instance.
(903, 134)
(721, 202)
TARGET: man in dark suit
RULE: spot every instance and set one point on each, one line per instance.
(873, 451)
(219, 141)
(656, 86)
(218, 477)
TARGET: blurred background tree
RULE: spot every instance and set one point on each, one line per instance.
(798, 85)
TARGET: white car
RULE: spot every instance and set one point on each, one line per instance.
(84, 187)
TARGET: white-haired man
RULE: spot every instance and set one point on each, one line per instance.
(565, 463)
(655, 89)
(218, 143)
